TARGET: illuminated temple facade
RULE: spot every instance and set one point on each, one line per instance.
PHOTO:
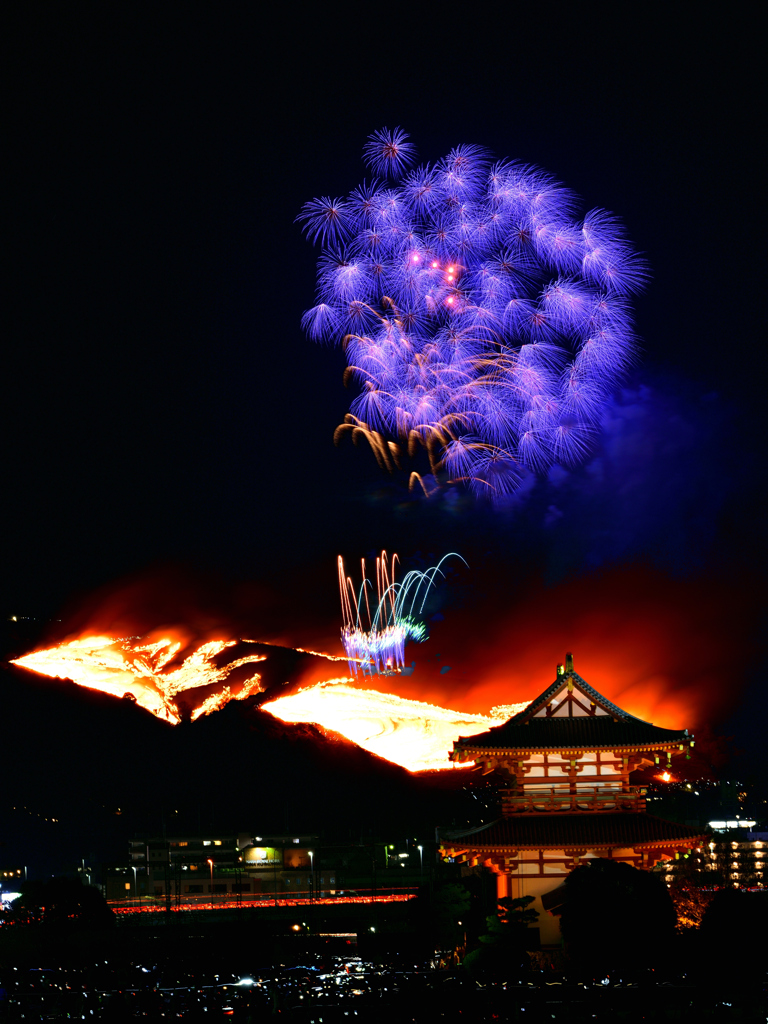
(567, 760)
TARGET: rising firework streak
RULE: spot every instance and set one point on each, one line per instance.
(481, 319)
(375, 640)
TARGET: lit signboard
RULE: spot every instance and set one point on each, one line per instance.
(263, 855)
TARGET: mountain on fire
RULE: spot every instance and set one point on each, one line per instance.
(92, 766)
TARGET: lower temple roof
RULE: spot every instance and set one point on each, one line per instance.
(572, 830)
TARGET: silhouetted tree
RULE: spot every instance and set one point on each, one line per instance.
(502, 950)
(450, 906)
(616, 917)
(692, 891)
(61, 903)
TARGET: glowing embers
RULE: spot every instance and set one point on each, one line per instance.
(410, 733)
(153, 672)
(375, 641)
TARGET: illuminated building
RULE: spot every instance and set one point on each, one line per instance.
(733, 856)
(567, 759)
(11, 879)
(221, 864)
(245, 866)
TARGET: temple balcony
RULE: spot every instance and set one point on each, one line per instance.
(556, 799)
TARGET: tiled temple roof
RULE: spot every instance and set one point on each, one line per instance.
(569, 715)
(571, 830)
(545, 697)
(585, 732)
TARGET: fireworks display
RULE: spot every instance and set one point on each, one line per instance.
(482, 320)
(375, 640)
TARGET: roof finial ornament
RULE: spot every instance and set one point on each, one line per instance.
(568, 663)
(560, 670)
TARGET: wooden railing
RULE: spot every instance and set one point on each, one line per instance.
(586, 799)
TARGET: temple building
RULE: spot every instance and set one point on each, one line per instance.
(567, 760)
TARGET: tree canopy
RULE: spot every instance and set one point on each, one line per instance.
(616, 916)
(502, 953)
(61, 902)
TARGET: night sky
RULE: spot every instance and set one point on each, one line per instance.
(169, 429)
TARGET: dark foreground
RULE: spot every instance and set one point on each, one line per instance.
(323, 988)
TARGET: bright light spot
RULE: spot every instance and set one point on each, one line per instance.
(246, 981)
(415, 257)
(435, 264)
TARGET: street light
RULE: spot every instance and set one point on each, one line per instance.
(211, 863)
(135, 884)
(311, 873)
(421, 859)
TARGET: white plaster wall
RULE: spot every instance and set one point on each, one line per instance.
(549, 926)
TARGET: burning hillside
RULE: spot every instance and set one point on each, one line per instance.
(411, 733)
(174, 677)
(173, 680)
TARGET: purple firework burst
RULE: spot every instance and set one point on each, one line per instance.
(481, 318)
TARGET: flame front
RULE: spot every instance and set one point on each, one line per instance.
(143, 668)
(411, 733)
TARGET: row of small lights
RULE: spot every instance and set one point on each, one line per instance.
(33, 813)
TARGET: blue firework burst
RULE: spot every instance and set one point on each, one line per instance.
(388, 152)
(481, 317)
